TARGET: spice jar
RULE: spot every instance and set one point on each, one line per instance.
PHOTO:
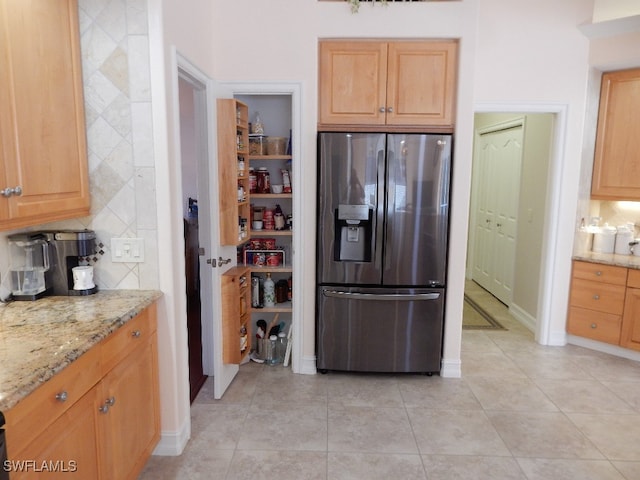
(253, 180)
(263, 181)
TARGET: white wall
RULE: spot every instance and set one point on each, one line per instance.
(273, 46)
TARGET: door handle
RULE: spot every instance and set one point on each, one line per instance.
(381, 296)
(223, 261)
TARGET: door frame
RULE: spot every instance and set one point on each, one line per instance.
(209, 236)
(301, 270)
(549, 294)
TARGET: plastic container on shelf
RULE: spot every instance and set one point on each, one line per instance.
(257, 145)
(276, 145)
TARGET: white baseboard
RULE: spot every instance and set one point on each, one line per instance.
(451, 368)
(556, 339)
(172, 444)
(523, 317)
(603, 347)
(308, 366)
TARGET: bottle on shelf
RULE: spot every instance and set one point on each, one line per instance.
(243, 339)
(278, 218)
(257, 126)
(269, 291)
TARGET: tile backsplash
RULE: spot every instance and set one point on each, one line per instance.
(116, 77)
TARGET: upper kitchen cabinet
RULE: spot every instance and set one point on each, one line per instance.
(43, 176)
(399, 83)
(616, 167)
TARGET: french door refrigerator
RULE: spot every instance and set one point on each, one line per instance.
(383, 221)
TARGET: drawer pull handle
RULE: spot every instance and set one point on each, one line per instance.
(598, 273)
(103, 408)
(596, 297)
(136, 334)
(110, 402)
(594, 325)
(62, 396)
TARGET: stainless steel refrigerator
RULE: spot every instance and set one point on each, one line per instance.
(383, 221)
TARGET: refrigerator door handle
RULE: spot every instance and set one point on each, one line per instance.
(375, 296)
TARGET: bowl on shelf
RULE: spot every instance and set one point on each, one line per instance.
(276, 189)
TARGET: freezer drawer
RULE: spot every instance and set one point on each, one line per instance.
(379, 330)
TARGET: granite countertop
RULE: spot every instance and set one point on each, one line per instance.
(628, 261)
(40, 338)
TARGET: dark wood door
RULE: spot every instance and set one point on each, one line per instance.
(194, 326)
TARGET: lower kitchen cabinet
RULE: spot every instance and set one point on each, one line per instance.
(128, 412)
(69, 446)
(604, 304)
(630, 334)
(99, 416)
(596, 302)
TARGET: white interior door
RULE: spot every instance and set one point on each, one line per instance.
(498, 164)
(208, 231)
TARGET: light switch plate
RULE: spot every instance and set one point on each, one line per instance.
(127, 250)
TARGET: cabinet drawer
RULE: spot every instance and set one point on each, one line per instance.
(32, 415)
(124, 340)
(603, 327)
(602, 297)
(601, 273)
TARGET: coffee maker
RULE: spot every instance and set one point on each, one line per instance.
(69, 249)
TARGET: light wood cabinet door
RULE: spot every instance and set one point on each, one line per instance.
(404, 83)
(630, 337)
(353, 82)
(421, 83)
(616, 167)
(67, 448)
(128, 413)
(42, 123)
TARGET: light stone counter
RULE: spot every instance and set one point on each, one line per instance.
(40, 338)
(628, 261)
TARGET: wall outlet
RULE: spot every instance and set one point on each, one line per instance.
(127, 250)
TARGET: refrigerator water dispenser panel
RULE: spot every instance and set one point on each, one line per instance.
(353, 228)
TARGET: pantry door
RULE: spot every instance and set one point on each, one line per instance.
(498, 164)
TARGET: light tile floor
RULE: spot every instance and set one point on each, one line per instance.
(520, 411)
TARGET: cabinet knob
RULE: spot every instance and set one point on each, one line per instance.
(594, 325)
(7, 192)
(596, 297)
(110, 402)
(136, 334)
(103, 408)
(62, 396)
(598, 273)
(390, 110)
(382, 110)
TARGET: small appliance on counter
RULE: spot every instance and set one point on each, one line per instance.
(52, 263)
(70, 249)
(29, 263)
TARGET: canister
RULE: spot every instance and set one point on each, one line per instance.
(604, 239)
(624, 236)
